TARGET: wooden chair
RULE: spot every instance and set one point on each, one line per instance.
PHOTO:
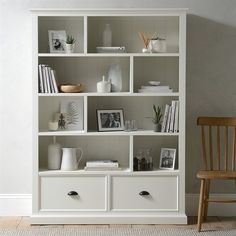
(215, 165)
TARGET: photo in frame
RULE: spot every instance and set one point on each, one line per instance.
(110, 120)
(57, 40)
(73, 112)
(167, 158)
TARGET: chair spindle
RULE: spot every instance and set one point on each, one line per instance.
(204, 148)
(226, 148)
(218, 147)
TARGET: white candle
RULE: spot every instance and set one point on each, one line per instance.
(53, 125)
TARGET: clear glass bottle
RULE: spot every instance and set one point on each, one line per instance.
(149, 159)
(107, 36)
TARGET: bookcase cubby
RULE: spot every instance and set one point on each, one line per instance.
(119, 193)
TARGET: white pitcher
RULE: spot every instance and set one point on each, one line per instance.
(71, 158)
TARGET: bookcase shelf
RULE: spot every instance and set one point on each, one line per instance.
(86, 66)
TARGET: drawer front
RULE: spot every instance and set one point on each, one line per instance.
(163, 193)
(91, 193)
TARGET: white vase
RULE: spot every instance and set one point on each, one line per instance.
(115, 77)
(70, 48)
(54, 155)
(157, 45)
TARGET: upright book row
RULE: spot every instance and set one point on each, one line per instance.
(170, 121)
(47, 79)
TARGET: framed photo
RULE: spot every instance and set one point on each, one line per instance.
(110, 120)
(167, 159)
(57, 40)
(73, 116)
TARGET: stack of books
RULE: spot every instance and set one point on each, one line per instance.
(171, 118)
(111, 49)
(102, 165)
(47, 80)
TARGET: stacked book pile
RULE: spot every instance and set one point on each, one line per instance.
(111, 49)
(47, 79)
(171, 118)
(154, 87)
(101, 165)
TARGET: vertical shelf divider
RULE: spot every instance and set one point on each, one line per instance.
(131, 152)
(85, 34)
(131, 74)
(85, 113)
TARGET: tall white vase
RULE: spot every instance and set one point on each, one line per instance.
(115, 77)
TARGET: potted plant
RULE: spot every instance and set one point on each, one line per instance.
(70, 44)
(156, 119)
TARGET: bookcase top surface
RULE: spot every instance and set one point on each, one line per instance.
(109, 11)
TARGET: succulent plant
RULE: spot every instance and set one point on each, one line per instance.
(70, 39)
(156, 119)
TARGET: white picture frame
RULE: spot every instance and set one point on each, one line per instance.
(110, 120)
(167, 158)
(57, 40)
(73, 111)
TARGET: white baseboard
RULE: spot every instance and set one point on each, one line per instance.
(214, 209)
(15, 204)
(21, 205)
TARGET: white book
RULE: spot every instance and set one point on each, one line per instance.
(156, 90)
(51, 90)
(103, 163)
(165, 117)
(53, 76)
(176, 125)
(102, 168)
(168, 120)
(154, 87)
(41, 86)
(46, 85)
(172, 118)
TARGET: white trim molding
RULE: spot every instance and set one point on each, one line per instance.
(21, 205)
(15, 204)
(214, 209)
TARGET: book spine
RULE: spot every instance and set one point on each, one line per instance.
(102, 164)
(163, 126)
(176, 126)
(54, 80)
(51, 89)
(45, 79)
(172, 116)
(168, 120)
(41, 85)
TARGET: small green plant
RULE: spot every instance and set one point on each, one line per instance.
(156, 119)
(70, 39)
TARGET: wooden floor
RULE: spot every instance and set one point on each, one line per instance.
(212, 223)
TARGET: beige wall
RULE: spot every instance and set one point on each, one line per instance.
(211, 77)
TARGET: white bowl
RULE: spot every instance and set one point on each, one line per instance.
(155, 83)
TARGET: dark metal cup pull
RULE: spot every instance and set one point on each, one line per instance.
(144, 193)
(72, 193)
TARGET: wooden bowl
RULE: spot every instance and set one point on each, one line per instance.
(71, 88)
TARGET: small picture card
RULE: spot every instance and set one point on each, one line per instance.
(167, 159)
(73, 112)
(57, 40)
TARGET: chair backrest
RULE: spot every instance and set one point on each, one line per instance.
(220, 127)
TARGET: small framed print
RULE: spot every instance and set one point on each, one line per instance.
(110, 120)
(57, 40)
(167, 159)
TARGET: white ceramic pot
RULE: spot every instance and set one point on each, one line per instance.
(158, 45)
(70, 48)
(104, 86)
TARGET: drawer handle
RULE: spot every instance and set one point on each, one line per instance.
(144, 193)
(72, 193)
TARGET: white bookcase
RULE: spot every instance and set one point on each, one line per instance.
(110, 197)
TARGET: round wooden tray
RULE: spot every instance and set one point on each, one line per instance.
(71, 88)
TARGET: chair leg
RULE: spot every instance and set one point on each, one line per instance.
(201, 204)
(207, 187)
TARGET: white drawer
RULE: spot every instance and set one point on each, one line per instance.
(163, 193)
(91, 193)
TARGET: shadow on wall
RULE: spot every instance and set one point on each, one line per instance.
(211, 86)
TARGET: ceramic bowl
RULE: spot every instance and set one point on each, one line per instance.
(71, 88)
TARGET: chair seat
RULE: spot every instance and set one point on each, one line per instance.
(207, 174)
